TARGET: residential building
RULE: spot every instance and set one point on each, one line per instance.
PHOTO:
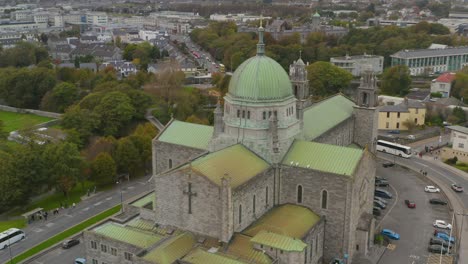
(356, 65)
(97, 18)
(443, 84)
(4, 26)
(397, 117)
(429, 61)
(122, 68)
(388, 22)
(459, 144)
(289, 202)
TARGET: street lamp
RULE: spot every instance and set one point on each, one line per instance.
(121, 197)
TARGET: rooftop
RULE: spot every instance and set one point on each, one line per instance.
(289, 220)
(130, 236)
(447, 77)
(409, 54)
(357, 57)
(460, 129)
(241, 246)
(172, 249)
(187, 134)
(227, 161)
(142, 202)
(337, 109)
(323, 157)
(278, 241)
(200, 256)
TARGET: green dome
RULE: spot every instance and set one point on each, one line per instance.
(260, 78)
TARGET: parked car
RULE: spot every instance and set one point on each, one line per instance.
(445, 237)
(70, 243)
(442, 224)
(380, 199)
(394, 132)
(437, 201)
(410, 204)
(437, 249)
(440, 231)
(383, 194)
(377, 178)
(376, 211)
(431, 189)
(438, 241)
(412, 137)
(381, 184)
(388, 164)
(390, 234)
(457, 187)
(80, 261)
(379, 204)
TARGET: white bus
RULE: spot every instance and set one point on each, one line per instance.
(10, 236)
(393, 148)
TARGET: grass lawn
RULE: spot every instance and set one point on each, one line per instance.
(461, 167)
(67, 233)
(15, 121)
(53, 201)
(20, 223)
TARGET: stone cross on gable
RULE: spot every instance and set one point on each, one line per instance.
(189, 193)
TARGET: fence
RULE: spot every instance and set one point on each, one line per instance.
(30, 111)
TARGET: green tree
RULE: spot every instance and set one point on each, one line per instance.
(126, 156)
(12, 190)
(84, 121)
(62, 96)
(396, 80)
(103, 169)
(460, 114)
(63, 165)
(115, 110)
(326, 78)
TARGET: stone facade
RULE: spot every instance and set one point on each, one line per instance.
(166, 154)
(205, 216)
(340, 135)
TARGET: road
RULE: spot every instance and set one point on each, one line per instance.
(41, 230)
(62, 256)
(205, 60)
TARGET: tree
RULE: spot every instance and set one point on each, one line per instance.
(459, 114)
(396, 80)
(62, 96)
(63, 165)
(326, 78)
(84, 121)
(12, 191)
(114, 110)
(103, 169)
(126, 156)
(77, 62)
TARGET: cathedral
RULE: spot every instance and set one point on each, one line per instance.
(277, 179)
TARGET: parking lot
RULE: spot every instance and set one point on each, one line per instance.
(61, 256)
(413, 225)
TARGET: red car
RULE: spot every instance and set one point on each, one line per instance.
(410, 204)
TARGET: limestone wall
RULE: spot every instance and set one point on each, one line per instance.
(30, 111)
(163, 152)
(243, 195)
(172, 204)
(341, 135)
(338, 206)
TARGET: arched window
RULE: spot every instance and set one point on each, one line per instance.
(295, 90)
(324, 199)
(240, 213)
(364, 98)
(266, 195)
(299, 194)
(253, 204)
(170, 163)
(264, 115)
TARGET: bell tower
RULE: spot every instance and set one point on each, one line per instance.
(300, 85)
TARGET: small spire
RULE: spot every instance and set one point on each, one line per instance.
(260, 45)
(300, 54)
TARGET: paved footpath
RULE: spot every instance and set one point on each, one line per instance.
(39, 231)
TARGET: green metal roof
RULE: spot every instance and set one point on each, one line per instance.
(324, 115)
(172, 249)
(199, 256)
(150, 198)
(323, 157)
(260, 78)
(140, 223)
(241, 246)
(278, 241)
(187, 134)
(288, 219)
(127, 235)
(238, 162)
(316, 14)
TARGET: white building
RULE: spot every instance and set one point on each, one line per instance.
(356, 64)
(443, 84)
(148, 35)
(238, 18)
(22, 26)
(41, 17)
(459, 141)
(97, 18)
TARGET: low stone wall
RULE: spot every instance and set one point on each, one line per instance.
(448, 153)
(30, 111)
